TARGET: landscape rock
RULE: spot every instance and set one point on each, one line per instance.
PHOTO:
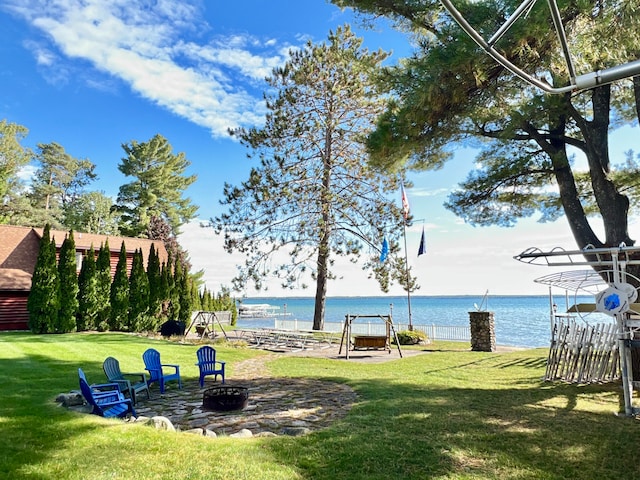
(296, 431)
(163, 423)
(70, 399)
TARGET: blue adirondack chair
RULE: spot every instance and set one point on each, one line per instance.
(156, 369)
(101, 390)
(132, 383)
(107, 406)
(208, 364)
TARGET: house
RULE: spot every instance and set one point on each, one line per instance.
(19, 247)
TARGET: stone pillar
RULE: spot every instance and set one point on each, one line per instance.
(483, 332)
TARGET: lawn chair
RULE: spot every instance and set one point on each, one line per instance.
(101, 390)
(131, 383)
(108, 407)
(207, 364)
(151, 359)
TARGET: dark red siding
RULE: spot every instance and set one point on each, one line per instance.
(13, 311)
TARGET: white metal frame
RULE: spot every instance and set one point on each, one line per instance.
(616, 259)
(577, 82)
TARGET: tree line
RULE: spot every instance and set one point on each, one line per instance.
(62, 300)
(152, 205)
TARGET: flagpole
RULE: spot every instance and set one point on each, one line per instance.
(405, 216)
(406, 264)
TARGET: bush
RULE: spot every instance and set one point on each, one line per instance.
(412, 337)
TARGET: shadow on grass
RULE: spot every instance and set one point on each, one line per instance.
(431, 429)
(33, 426)
(34, 369)
(446, 416)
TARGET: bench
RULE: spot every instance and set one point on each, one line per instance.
(369, 341)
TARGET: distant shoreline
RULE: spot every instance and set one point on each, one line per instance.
(311, 297)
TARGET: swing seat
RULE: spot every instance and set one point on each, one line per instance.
(366, 342)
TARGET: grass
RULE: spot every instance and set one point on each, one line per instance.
(448, 414)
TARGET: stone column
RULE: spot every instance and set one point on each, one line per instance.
(483, 332)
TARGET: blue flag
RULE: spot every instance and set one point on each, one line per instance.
(423, 244)
(384, 252)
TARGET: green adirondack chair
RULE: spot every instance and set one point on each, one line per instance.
(130, 383)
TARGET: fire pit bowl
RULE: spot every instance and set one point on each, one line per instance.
(225, 398)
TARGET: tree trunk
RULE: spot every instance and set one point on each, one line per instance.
(636, 94)
(613, 206)
(555, 146)
(321, 285)
(325, 234)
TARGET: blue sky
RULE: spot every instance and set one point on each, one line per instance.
(91, 75)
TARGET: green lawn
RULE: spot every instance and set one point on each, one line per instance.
(448, 414)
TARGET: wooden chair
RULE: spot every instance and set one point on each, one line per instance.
(156, 369)
(131, 383)
(207, 364)
(114, 405)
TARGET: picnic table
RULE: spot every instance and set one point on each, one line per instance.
(290, 340)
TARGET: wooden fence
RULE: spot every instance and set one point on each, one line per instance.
(583, 353)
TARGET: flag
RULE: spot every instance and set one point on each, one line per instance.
(384, 252)
(423, 244)
(405, 203)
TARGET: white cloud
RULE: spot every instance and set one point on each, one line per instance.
(467, 261)
(143, 46)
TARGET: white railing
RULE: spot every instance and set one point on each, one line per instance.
(434, 332)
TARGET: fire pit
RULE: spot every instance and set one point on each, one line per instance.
(225, 398)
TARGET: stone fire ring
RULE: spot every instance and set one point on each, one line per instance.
(225, 398)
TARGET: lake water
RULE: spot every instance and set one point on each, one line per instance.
(522, 321)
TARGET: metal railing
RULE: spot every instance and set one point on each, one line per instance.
(434, 332)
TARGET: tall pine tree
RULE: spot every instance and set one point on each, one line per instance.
(157, 187)
(138, 294)
(185, 297)
(103, 286)
(313, 194)
(88, 299)
(68, 275)
(119, 294)
(155, 284)
(43, 302)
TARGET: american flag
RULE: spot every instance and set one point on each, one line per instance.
(405, 203)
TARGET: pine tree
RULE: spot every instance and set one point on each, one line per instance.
(313, 194)
(174, 290)
(68, 275)
(185, 297)
(119, 294)
(155, 283)
(43, 302)
(103, 276)
(88, 293)
(165, 290)
(196, 305)
(223, 301)
(157, 189)
(14, 157)
(138, 294)
(451, 94)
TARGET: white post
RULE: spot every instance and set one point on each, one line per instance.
(625, 353)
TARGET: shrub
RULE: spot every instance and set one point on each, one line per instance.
(412, 337)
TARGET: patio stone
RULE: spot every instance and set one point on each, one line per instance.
(283, 406)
